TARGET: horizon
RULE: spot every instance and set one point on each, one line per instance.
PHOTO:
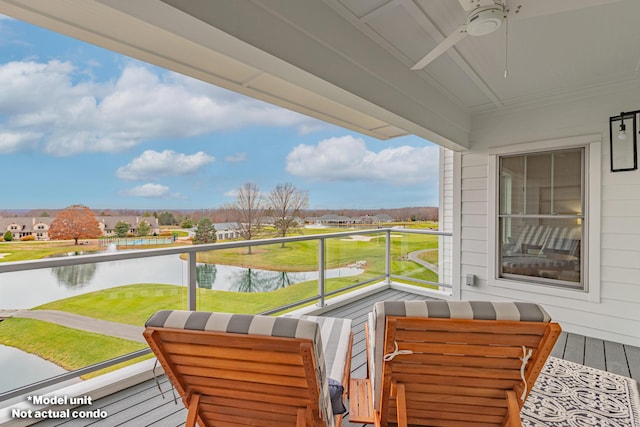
(113, 130)
(5, 210)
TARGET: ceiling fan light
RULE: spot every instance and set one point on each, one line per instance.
(485, 20)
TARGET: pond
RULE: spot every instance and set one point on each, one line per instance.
(20, 368)
(27, 289)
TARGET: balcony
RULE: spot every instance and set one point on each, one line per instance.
(389, 266)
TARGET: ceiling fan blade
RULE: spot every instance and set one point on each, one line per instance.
(452, 39)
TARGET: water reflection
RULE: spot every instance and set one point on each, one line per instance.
(252, 280)
(74, 276)
(206, 275)
(247, 280)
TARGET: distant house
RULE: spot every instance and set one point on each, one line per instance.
(333, 220)
(26, 226)
(39, 226)
(226, 230)
(108, 224)
(374, 219)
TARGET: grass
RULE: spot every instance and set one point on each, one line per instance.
(73, 349)
(430, 256)
(21, 251)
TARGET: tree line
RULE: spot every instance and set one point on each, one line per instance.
(251, 211)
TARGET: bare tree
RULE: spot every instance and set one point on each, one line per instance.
(285, 203)
(249, 207)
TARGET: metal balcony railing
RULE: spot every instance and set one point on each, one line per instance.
(191, 252)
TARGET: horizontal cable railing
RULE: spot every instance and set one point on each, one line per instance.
(191, 252)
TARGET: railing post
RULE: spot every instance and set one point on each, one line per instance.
(387, 264)
(321, 266)
(191, 281)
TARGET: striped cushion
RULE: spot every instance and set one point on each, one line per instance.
(532, 262)
(564, 239)
(336, 341)
(479, 310)
(286, 327)
(336, 334)
(531, 235)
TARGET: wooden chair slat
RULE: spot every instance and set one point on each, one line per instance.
(238, 365)
(458, 349)
(446, 380)
(244, 376)
(465, 337)
(211, 395)
(229, 386)
(472, 325)
(464, 360)
(458, 373)
(221, 352)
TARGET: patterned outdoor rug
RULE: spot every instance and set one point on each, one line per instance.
(568, 394)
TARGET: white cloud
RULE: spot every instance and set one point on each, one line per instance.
(231, 193)
(311, 127)
(153, 164)
(347, 158)
(151, 191)
(236, 158)
(14, 141)
(75, 115)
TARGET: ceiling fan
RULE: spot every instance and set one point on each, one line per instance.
(483, 17)
(486, 16)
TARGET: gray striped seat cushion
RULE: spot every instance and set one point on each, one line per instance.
(479, 310)
(286, 327)
(514, 263)
(336, 334)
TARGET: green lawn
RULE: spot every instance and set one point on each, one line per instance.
(22, 251)
(69, 348)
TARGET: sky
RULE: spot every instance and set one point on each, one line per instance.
(83, 125)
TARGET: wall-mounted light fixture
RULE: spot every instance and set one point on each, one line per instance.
(623, 146)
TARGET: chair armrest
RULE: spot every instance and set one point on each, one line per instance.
(361, 401)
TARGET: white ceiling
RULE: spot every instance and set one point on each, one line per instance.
(554, 46)
(348, 61)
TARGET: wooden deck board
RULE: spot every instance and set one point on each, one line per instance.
(574, 349)
(633, 360)
(616, 358)
(558, 349)
(142, 405)
(594, 353)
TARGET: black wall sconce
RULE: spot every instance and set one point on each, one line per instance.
(623, 131)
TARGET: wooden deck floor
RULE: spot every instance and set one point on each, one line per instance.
(143, 404)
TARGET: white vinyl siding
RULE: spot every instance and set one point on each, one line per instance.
(612, 311)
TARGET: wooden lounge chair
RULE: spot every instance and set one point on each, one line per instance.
(243, 370)
(443, 363)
